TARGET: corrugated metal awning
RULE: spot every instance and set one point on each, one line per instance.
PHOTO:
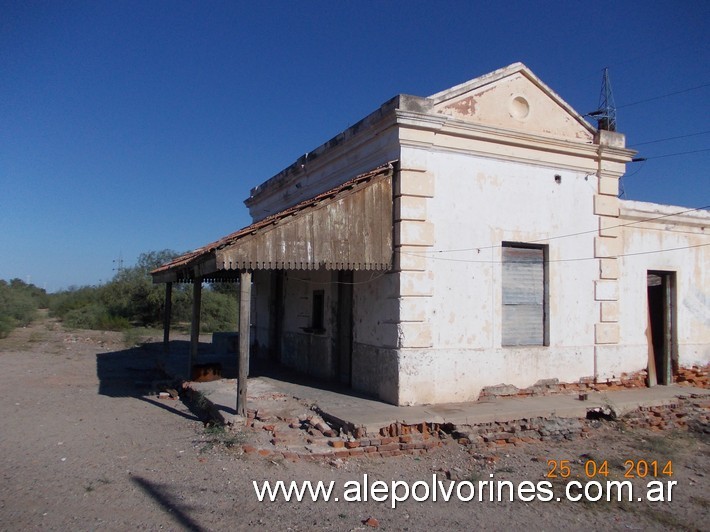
(346, 228)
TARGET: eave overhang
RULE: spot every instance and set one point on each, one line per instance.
(346, 228)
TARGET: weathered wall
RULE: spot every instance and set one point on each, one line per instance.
(260, 315)
(305, 350)
(375, 327)
(375, 364)
(670, 243)
(359, 149)
(364, 146)
(478, 203)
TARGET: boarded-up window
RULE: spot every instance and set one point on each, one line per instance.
(524, 295)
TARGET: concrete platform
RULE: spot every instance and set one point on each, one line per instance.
(351, 411)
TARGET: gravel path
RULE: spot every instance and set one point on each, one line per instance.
(82, 448)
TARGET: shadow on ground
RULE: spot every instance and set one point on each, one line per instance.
(143, 371)
(140, 372)
(168, 503)
(281, 374)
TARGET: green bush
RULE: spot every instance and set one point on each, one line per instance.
(18, 304)
(219, 312)
(131, 299)
(132, 338)
(6, 325)
(94, 316)
(62, 303)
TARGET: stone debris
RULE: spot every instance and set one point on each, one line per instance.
(399, 439)
(371, 522)
(277, 429)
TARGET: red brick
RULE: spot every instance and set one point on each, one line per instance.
(248, 449)
(370, 449)
(336, 444)
(387, 454)
(342, 454)
(352, 444)
(264, 452)
(357, 452)
(388, 447)
(405, 439)
(387, 440)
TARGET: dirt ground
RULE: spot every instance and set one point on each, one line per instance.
(84, 445)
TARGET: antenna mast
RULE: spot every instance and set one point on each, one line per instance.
(119, 263)
(606, 113)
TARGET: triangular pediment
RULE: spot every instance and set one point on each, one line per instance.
(513, 98)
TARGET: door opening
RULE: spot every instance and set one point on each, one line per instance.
(663, 356)
(277, 314)
(344, 342)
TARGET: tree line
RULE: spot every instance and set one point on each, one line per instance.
(129, 300)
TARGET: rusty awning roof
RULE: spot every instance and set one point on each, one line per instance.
(346, 228)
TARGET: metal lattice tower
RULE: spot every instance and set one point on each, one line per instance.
(606, 113)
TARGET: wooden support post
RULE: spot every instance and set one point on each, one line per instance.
(195, 324)
(166, 316)
(244, 326)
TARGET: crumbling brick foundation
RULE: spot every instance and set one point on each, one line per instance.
(698, 376)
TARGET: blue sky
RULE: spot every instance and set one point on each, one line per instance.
(138, 126)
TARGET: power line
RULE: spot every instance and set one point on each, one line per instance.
(705, 207)
(690, 47)
(636, 253)
(682, 91)
(673, 154)
(577, 259)
(668, 138)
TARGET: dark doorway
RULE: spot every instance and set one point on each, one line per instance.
(344, 341)
(277, 314)
(662, 326)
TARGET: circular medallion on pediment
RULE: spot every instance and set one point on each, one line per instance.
(519, 108)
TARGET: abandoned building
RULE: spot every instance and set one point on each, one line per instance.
(474, 237)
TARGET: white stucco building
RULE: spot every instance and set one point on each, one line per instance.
(475, 237)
